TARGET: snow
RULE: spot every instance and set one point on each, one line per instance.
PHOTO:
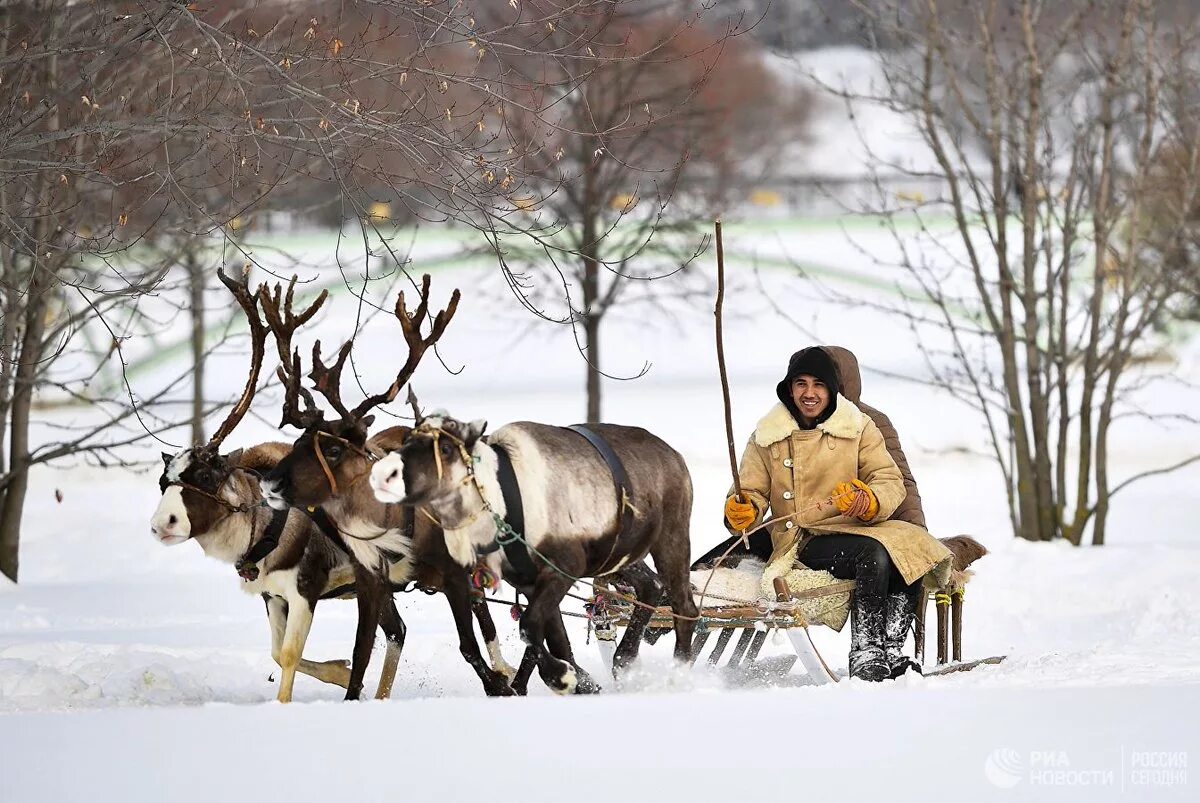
(133, 670)
(698, 748)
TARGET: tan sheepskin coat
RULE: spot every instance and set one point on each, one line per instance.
(792, 472)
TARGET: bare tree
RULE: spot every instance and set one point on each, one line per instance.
(126, 120)
(643, 153)
(1050, 130)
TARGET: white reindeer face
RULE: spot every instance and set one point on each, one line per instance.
(191, 483)
(170, 523)
(387, 479)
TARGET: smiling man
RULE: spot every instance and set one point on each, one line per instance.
(822, 469)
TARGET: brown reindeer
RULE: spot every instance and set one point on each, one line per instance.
(214, 499)
(579, 520)
(327, 470)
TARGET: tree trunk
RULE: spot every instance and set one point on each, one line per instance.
(196, 288)
(591, 328)
(592, 310)
(8, 342)
(42, 276)
(591, 332)
(22, 402)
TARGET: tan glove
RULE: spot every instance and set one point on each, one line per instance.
(856, 499)
(739, 515)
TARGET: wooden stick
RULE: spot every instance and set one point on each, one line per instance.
(956, 612)
(919, 626)
(737, 483)
(943, 615)
(967, 667)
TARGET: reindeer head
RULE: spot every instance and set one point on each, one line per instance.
(435, 462)
(330, 456)
(194, 497)
(192, 486)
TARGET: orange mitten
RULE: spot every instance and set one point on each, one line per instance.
(740, 515)
(856, 499)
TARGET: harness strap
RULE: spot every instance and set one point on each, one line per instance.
(333, 489)
(266, 545)
(621, 479)
(514, 548)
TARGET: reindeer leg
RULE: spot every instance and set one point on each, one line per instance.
(544, 604)
(648, 589)
(333, 672)
(394, 631)
(299, 621)
(458, 594)
(529, 659)
(371, 593)
(671, 561)
(487, 629)
(560, 647)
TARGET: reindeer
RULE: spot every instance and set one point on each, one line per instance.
(328, 464)
(214, 499)
(581, 518)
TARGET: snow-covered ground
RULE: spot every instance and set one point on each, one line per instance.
(129, 670)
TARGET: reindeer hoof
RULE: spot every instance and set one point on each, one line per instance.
(496, 685)
(585, 683)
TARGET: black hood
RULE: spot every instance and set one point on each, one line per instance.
(814, 361)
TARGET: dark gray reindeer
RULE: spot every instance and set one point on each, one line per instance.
(327, 468)
(581, 518)
(214, 499)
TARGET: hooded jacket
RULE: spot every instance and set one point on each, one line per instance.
(791, 472)
(850, 382)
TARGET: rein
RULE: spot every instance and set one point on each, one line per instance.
(229, 506)
(436, 434)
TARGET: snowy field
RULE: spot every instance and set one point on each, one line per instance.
(133, 671)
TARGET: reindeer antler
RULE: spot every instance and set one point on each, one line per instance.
(327, 380)
(416, 408)
(283, 323)
(258, 340)
(411, 326)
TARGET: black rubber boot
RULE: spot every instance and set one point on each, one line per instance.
(867, 658)
(901, 609)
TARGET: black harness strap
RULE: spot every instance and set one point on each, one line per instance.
(266, 545)
(524, 572)
(621, 478)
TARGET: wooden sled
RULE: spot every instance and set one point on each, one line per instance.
(753, 623)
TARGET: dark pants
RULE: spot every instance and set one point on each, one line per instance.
(847, 557)
(859, 558)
